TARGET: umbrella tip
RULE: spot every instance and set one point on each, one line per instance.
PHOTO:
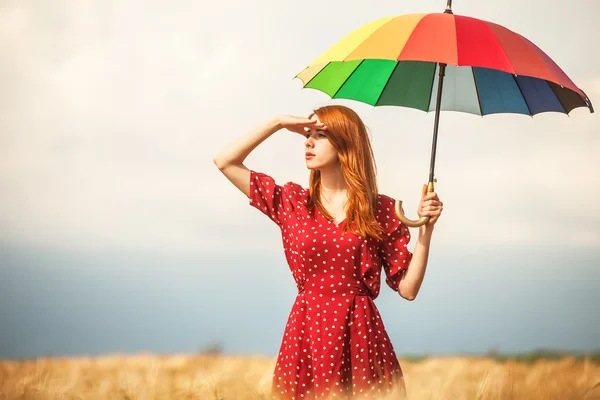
(448, 7)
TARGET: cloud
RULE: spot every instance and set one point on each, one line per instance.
(112, 112)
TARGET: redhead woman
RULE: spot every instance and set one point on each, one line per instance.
(341, 237)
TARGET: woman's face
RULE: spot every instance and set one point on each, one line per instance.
(320, 153)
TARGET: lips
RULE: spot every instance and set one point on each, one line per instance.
(309, 155)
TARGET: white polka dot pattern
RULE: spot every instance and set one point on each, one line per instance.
(334, 344)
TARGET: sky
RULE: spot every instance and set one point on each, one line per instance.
(118, 233)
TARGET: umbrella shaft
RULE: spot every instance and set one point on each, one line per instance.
(448, 7)
(436, 124)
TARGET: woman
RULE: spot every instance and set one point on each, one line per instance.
(337, 236)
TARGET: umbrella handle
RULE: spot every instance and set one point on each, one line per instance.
(409, 222)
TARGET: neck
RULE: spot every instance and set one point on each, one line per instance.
(333, 183)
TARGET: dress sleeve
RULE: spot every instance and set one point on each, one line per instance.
(394, 253)
(268, 197)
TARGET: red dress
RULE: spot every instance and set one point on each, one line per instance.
(335, 344)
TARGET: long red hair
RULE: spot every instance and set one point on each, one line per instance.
(348, 135)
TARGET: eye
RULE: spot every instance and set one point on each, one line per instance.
(321, 135)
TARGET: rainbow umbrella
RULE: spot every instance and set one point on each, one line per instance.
(409, 60)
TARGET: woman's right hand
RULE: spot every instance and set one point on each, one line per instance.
(299, 124)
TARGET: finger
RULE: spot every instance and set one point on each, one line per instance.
(432, 196)
(314, 125)
(424, 191)
(319, 125)
(432, 209)
(434, 202)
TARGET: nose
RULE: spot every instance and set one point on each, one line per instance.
(309, 142)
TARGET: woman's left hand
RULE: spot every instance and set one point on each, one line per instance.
(430, 206)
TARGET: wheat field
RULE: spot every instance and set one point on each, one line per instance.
(212, 377)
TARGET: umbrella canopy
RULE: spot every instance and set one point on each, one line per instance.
(395, 61)
(410, 60)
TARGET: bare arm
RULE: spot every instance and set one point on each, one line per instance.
(413, 277)
(410, 283)
(230, 160)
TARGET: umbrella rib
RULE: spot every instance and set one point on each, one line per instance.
(534, 47)
(315, 75)
(589, 102)
(557, 97)
(349, 76)
(501, 46)
(477, 90)
(386, 82)
(522, 95)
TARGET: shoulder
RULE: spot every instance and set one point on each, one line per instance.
(295, 191)
(385, 200)
(289, 191)
(385, 214)
(385, 205)
(291, 188)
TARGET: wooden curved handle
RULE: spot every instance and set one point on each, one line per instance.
(409, 222)
(417, 222)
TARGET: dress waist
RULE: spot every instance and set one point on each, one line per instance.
(307, 288)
